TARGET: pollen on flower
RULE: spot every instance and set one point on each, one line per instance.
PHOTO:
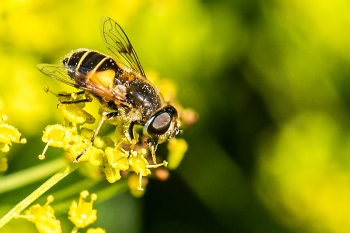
(43, 217)
(82, 213)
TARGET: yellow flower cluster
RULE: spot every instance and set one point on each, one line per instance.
(8, 134)
(80, 213)
(104, 152)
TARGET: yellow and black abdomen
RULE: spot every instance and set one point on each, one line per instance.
(83, 64)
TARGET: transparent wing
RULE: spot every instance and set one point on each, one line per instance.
(58, 72)
(118, 43)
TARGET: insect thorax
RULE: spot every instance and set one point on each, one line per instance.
(143, 96)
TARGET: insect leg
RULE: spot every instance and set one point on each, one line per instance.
(74, 97)
(130, 135)
(105, 116)
(70, 94)
(131, 130)
(152, 145)
(75, 101)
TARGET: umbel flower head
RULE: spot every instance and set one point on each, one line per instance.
(116, 157)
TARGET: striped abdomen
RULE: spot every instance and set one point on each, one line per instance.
(84, 61)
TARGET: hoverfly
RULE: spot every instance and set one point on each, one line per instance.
(119, 83)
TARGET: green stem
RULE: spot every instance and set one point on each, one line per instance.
(75, 229)
(30, 175)
(38, 192)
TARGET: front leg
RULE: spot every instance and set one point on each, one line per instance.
(131, 131)
(105, 116)
(152, 145)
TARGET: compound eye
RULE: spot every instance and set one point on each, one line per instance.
(160, 124)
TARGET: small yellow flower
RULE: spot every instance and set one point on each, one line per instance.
(117, 158)
(82, 213)
(43, 217)
(76, 149)
(38, 213)
(95, 156)
(49, 225)
(72, 137)
(138, 163)
(112, 174)
(63, 137)
(99, 143)
(8, 134)
(56, 134)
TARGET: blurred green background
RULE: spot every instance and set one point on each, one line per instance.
(270, 81)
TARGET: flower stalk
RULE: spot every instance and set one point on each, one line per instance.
(38, 192)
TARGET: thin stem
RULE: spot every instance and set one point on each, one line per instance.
(30, 175)
(75, 229)
(38, 192)
(103, 194)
